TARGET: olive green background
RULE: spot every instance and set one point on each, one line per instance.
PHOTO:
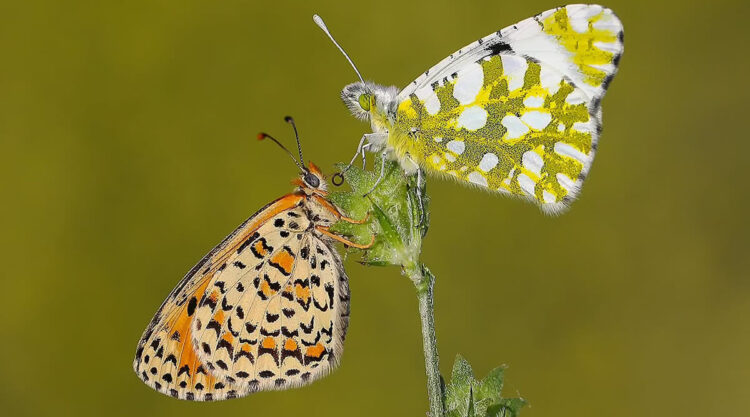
(127, 140)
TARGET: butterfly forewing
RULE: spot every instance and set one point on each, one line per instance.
(583, 42)
(518, 111)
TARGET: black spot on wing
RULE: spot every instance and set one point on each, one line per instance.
(285, 331)
(498, 48)
(247, 242)
(264, 248)
(224, 344)
(249, 357)
(307, 329)
(213, 324)
(265, 332)
(191, 306)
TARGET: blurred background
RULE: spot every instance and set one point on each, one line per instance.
(127, 140)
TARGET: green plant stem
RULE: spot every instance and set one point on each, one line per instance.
(424, 281)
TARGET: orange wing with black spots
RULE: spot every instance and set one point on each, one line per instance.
(266, 309)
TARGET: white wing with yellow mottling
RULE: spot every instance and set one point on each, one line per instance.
(582, 42)
(518, 111)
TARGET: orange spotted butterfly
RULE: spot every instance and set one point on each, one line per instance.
(266, 309)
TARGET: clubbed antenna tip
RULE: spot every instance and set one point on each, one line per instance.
(319, 21)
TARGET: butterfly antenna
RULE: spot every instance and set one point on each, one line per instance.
(319, 21)
(262, 136)
(290, 120)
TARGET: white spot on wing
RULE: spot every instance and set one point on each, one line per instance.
(612, 47)
(548, 197)
(550, 79)
(583, 127)
(579, 25)
(432, 105)
(533, 101)
(583, 11)
(470, 80)
(565, 182)
(430, 100)
(472, 118)
(438, 139)
(514, 68)
(575, 97)
(566, 150)
(533, 162)
(489, 161)
(527, 184)
(536, 120)
(450, 157)
(456, 146)
(477, 178)
(516, 128)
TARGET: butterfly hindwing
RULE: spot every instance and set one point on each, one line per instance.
(276, 315)
(517, 111)
(168, 358)
(510, 125)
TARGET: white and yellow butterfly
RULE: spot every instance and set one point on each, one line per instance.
(518, 111)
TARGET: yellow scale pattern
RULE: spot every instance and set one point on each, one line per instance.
(583, 45)
(498, 101)
(536, 138)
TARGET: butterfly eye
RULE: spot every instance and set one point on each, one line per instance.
(312, 179)
(364, 102)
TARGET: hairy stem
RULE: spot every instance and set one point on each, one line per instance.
(424, 281)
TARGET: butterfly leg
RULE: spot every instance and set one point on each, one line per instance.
(354, 221)
(335, 211)
(368, 140)
(324, 230)
(383, 157)
(364, 158)
(359, 150)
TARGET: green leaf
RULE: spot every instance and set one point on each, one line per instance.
(508, 407)
(492, 385)
(466, 397)
(458, 398)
